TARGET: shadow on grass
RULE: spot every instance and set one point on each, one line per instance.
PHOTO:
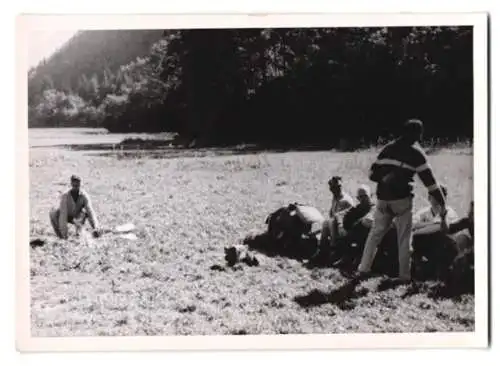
(264, 244)
(453, 291)
(342, 296)
(35, 243)
(439, 290)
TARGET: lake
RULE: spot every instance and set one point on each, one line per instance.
(54, 137)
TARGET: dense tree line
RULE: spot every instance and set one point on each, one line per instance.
(290, 86)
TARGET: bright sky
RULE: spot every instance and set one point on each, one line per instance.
(42, 43)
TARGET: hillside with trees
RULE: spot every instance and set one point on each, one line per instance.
(88, 58)
(269, 86)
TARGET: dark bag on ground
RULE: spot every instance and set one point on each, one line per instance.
(291, 223)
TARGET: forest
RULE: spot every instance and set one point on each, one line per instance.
(278, 86)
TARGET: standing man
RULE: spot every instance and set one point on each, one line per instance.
(341, 202)
(74, 208)
(393, 171)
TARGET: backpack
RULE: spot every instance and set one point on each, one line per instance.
(290, 223)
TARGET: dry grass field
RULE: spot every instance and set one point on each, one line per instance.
(187, 208)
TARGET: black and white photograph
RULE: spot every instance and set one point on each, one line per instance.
(272, 179)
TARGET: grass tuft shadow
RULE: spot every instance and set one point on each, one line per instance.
(35, 243)
(443, 291)
(342, 296)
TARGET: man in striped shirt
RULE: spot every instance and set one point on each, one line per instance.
(393, 171)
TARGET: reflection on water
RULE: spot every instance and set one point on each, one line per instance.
(45, 137)
(98, 142)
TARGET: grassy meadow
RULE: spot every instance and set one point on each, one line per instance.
(187, 208)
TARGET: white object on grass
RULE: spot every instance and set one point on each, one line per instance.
(129, 236)
(124, 228)
(309, 214)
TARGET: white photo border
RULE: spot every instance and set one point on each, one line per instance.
(477, 339)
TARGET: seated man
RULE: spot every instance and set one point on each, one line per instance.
(428, 219)
(433, 247)
(463, 230)
(461, 273)
(341, 202)
(75, 207)
(355, 226)
(362, 213)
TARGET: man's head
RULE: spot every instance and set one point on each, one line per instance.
(75, 183)
(433, 201)
(363, 195)
(413, 130)
(335, 185)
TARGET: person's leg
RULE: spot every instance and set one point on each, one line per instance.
(403, 221)
(79, 222)
(447, 253)
(419, 248)
(381, 223)
(386, 260)
(323, 251)
(349, 248)
(54, 221)
(333, 233)
(463, 240)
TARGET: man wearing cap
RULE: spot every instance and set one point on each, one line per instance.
(393, 171)
(74, 207)
(341, 202)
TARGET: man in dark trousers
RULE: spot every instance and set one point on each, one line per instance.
(393, 171)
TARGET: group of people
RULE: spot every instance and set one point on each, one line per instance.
(434, 234)
(363, 226)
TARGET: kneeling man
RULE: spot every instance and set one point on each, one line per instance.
(74, 208)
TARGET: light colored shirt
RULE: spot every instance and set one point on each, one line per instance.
(426, 216)
(343, 203)
(69, 209)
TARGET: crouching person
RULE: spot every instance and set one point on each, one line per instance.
(74, 208)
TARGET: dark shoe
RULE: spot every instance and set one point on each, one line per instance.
(358, 276)
(318, 256)
(392, 283)
(400, 282)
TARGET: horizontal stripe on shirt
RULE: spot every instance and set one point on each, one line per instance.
(422, 167)
(432, 187)
(396, 163)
